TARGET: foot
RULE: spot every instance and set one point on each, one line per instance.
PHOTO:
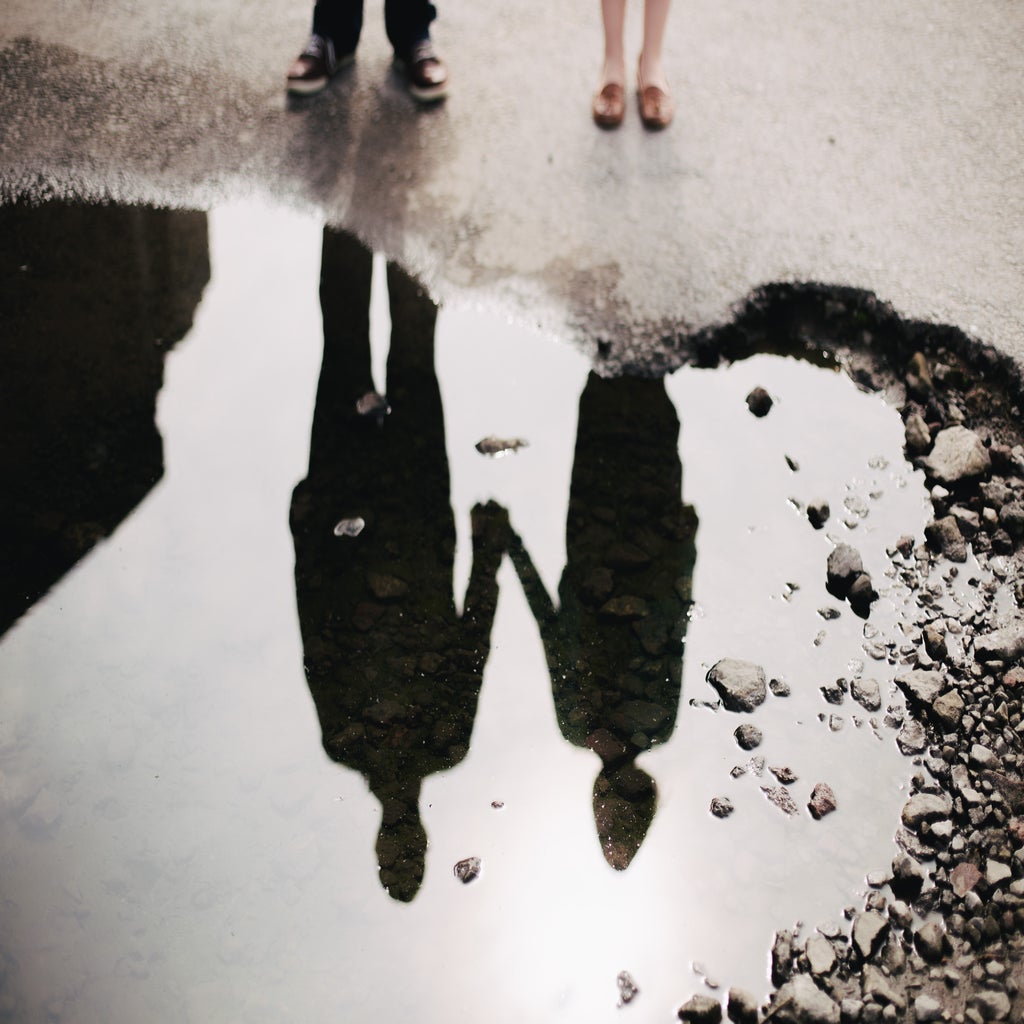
(609, 105)
(315, 66)
(425, 73)
(656, 104)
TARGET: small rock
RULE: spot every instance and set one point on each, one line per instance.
(1005, 644)
(922, 807)
(944, 536)
(844, 565)
(748, 736)
(957, 455)
(818, 512)
(780, 796)
(869, 929)
(741, 1006)
(496, 447)
(741, 684)
(721, 807)
(785, 775)
(823, 801)
(800, 1001)
(916, 435)
(992, 1005)
(349, 527)
(931, 942)
(866, 693)
(701, 1009)
(628, 989)
(759, 402)
(876, 987)
(982, 757)
(964, 877)
(922, 687)
(782, 957)
(912, 738)
(821, 955)
(949, 710)
(779, 687)
(996, 872)
(468, 869)
(927, 1009)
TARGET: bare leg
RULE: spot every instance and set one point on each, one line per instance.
(613, 16)
(655, 19)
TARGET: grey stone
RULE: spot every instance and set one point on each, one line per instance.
(869, 929)
(701, 1009)
(916, 435)
(844, 565)
(949, 710)
(931, 942)
(877, 987)
(1011, 519)
(945, 537)
(782, 957)
(866, 693)
(958, 454)
(818, 512)
(800, 1001)
(996, 872)
(912, 738)
(922, 807)
(982, 757)
(991, 1004)
(759, 402)
(742, 685)
(927, 1009)
(921, 686)
(721, 807)
(1005, 644)
(741, 1006)
(748, 736)
(821, 955)
(822, 802)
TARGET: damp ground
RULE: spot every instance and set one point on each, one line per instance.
(203, 716)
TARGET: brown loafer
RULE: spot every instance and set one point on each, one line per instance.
(609, 106)
(656, 105)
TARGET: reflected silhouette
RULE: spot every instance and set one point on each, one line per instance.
(615, 644)
(394, 671)
(91, 300)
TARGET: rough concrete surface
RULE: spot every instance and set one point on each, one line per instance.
(876, 146)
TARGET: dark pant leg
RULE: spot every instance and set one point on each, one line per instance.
(340, 21)
(407, 22)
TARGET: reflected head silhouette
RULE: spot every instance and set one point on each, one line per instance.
(614, 645)
(394, 671)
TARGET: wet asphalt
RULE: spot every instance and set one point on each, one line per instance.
(856, 144)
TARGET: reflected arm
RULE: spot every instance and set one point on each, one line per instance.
(537, 597)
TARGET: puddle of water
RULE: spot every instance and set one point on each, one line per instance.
(176, 842)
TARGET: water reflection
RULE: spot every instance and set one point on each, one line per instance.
(92, 298)
(394, 670)
(614, 646)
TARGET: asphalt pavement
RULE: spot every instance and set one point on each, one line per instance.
(861, 144)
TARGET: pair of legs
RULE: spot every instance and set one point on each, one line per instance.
(613, 15)
(656, 106)
(406, 23)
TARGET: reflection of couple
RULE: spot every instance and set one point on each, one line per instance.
(394, 671)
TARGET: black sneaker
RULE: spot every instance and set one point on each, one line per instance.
(425, 73)
(315, 66)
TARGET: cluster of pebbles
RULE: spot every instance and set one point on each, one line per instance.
(940, 937)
